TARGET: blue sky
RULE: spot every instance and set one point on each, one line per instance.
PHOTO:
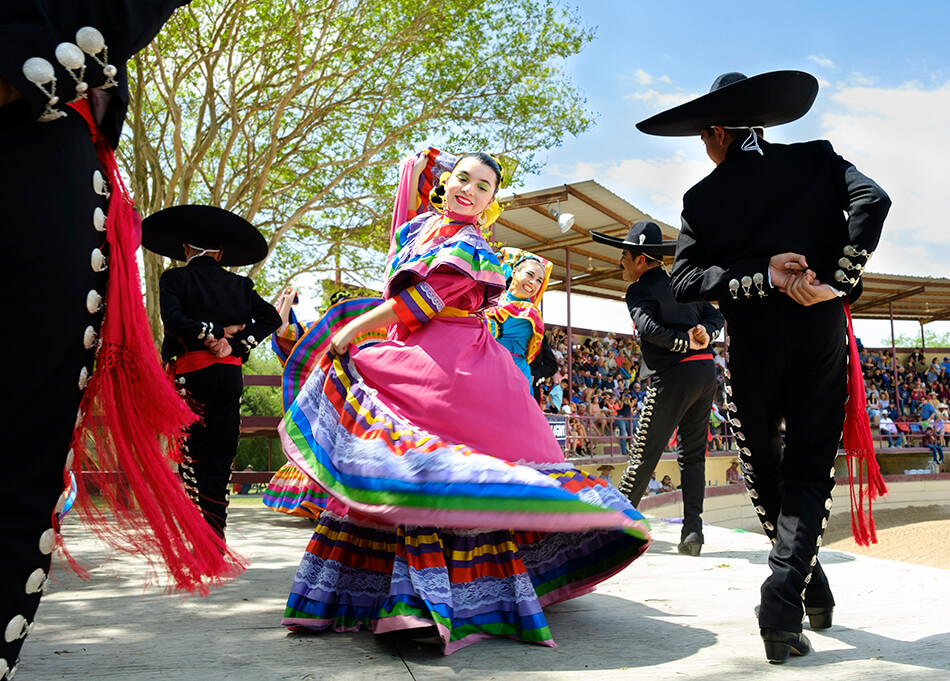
(884, 102)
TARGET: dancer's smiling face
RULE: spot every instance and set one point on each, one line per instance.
(471, 187)
(527, 278)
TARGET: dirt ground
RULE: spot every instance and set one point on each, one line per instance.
(919, 535)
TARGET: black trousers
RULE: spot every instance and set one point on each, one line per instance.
(46, 261)
(682, 396)
(212, 442)
(789, 362)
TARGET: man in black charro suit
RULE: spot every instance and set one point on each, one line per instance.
(674, 341)
(779, 235)
(213, 318)
(55, 198)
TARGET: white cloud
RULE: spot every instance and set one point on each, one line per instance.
(664, 79)
(900, 138)
(642, 77)
(822, 61)
(661, 100)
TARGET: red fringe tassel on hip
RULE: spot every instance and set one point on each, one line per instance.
(859, 446)
(132, 422)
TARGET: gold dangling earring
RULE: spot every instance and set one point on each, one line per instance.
(482, 217)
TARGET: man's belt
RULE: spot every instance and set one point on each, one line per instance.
(200, 359)
(693, 358)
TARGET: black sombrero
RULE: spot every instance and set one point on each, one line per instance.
(737, 101)
(644, 237)
(166, 232)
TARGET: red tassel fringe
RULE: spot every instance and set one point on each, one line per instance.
(859, 447)
(132, 421)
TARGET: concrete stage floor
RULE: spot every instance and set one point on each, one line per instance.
(665, 617)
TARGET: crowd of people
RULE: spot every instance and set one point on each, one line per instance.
(607, 396)
(908, 403)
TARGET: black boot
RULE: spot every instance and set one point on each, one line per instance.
(780, 644)
(691, 544)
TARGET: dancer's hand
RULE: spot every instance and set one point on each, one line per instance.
(229, 331)
(341, 341)
(805, 292)
(787, 267)
(220, 347)
(698, 337)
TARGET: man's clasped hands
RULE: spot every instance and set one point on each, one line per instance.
(220, 346)
(789, 273)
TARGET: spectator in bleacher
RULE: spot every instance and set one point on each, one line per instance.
(929, 441)
(874, 407)
(905, 396)
(556, 395)
(939, 423)
(719, 358)
(598, 421)
(928, 408)
(667, 484)
(913, 358)
(885, 401)
(639, 393)
(625, 412)
(715, 427)
(733, 474)
(933, 371)
(918, 394)
(889, 431)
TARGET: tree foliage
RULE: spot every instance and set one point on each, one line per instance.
(260, 401)
(932, 339)
(294, 113)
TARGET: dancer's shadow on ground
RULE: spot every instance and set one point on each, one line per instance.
(753, 556)
(597, 632)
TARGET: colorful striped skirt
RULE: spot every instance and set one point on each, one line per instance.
(422, 532)
(293, 493)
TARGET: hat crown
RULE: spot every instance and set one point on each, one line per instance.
(644, 233)
(727, 79)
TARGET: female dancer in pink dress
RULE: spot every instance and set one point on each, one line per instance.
(451, 509)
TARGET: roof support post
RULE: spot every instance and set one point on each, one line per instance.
(570, 334)
(897, 391)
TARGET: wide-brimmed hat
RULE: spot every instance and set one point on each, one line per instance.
(735, 100)
(166, 232)
(644, 237)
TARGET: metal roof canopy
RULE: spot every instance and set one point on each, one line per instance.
(527, 223)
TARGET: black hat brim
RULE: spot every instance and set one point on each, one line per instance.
(655, 250)
(765, 100)
(166, 232)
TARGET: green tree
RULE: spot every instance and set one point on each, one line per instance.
(932, 339)
(260, 401)
(294, 113)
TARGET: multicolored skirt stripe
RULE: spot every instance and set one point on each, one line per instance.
(432, 532)
(311, 346)
(292, 492)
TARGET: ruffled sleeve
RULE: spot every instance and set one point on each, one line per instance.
(417, 304)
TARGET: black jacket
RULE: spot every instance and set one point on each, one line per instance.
(663, 324)
(202, 299)
(545, 364)
(33, 28)
(802, 198)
